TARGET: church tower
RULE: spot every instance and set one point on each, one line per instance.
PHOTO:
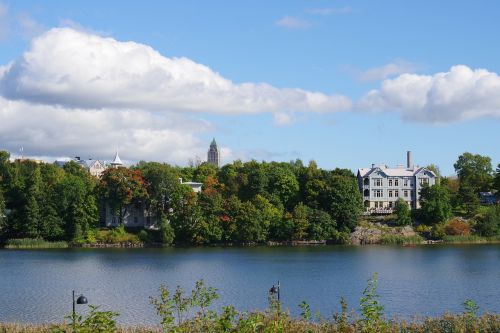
(213, 156)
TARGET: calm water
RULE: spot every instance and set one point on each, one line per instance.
(428, 280)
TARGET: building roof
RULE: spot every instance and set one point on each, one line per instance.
(213, 143)
(394, 172)
(117, 160)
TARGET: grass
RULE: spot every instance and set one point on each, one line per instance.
(389, 239)
(34, 243)
(470, 239)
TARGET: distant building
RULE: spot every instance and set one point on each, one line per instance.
(196, 187)
(381, 186)
(94, 167)
(488, 198)
(213, 155)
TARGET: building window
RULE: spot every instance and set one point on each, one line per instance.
(377, 181)
(406, 193)
(411, 193)
(396, 182)
(424, 181)
(390, 193)
(377, 193)
(390, 182)
(405, 182)
(396, 193)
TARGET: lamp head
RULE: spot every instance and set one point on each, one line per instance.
(81, 300)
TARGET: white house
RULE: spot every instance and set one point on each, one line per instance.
(382, 186)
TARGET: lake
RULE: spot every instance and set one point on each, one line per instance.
(425, 280)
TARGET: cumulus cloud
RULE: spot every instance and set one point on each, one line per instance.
(461, 93)
(292, 23)
(56, 131)
(83, 70)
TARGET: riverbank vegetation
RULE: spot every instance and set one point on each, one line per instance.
(30, 243)
(193, 312)
(241, 203)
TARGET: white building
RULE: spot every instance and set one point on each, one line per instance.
(382, 186)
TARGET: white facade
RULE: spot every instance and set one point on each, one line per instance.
(381, 186)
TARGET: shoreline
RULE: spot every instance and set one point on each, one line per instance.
(269, 244)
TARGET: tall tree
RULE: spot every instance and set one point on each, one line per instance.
(474, 170)
(300, 222)
(343, 201)
(435, 203)
(283, 184)
(120, 187)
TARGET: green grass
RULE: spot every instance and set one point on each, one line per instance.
(470, 239)
(34, 243)
(389, 239)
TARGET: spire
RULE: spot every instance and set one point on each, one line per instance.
(213, 143)
(117, 161)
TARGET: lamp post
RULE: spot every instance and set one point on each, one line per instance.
(80, 300)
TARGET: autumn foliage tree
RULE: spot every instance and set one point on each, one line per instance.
(120, 187)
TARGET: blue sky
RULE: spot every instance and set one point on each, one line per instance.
(335, 48)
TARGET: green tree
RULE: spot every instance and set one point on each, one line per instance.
(120, 187)
(166, 231)
(474, 170)
(32, 216)
(283, 184)
(496, 181)
(161, 182)
(321, 225)
(403, 212)
(468, 198)
(300, 222)
(343, 201)
(3, 214)
(254, 180)
(203, 171)
(435, 204)
(489, 225)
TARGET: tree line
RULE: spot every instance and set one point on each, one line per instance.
(240, 202)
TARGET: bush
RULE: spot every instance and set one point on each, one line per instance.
(457, 227)
(437, 231)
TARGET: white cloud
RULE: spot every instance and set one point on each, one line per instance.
(461, 93)
(329, 11)
(292, 23)
(282, 119)
(82, 70)
(386, 71)
(56, 131)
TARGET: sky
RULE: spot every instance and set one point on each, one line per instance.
(344, 83)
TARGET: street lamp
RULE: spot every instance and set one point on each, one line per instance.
(80, 300)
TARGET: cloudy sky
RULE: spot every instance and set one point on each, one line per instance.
(346, 83)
